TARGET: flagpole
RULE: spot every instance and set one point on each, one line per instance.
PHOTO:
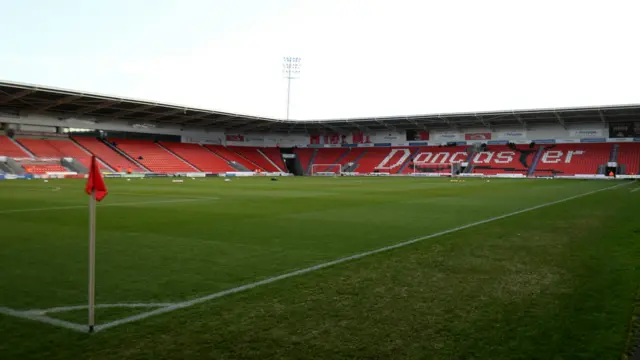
(92, 259)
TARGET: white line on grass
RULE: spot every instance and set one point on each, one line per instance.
(636, 189)
(11, 211)
(44, 319)
(98, 306)
(199, 300)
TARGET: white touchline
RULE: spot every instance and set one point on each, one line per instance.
(105, 205)
(199, 300)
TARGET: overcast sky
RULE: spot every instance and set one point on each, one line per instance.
(360, 58)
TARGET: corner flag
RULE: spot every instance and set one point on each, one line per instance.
(95, 181)
(97, 190)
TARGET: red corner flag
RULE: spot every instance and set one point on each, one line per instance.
(95, 181)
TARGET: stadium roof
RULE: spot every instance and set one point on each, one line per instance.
(17, 98)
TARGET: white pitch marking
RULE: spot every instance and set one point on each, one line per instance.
(636, 189)
(199, 300)
(44, 319)
(105, 205)
(98, 306)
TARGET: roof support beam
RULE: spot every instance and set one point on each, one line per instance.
(198, 116)
(336, 129)
(604, 121)
(64, 100)
(487, 124)
(361, 127)
(90, 109)
(416, 124)
(518, 118)
(138, 109)
(448, 122)
(164, 114)
(388, 126)
(15, 96)
(290, 129)
(560, 121)
(242, 125)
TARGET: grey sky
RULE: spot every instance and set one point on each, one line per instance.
(360, 58)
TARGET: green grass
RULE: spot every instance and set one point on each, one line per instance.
(555, 283)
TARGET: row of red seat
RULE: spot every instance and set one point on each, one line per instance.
(144, 155)
(168, 157)
(561, 159)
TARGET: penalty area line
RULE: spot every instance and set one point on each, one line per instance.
(238, 289)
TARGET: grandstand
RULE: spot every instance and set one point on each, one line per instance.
(527, 143)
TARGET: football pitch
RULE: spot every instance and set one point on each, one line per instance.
(321, 268)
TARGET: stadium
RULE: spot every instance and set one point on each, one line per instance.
(383, 237)
(412, 180)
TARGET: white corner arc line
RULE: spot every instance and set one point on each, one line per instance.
(199, 300)
(44, 319)
(11, 211)
(98, 306)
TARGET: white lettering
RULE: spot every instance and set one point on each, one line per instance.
(445, 156)
(488, 156)
(570, 154)
(458, 156)
(551, 157)
(400, 161)
(504, 157)
(419, 158)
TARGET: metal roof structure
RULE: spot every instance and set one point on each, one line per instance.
(17, 98)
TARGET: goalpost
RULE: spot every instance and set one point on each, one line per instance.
(443, 169)
(326, 169)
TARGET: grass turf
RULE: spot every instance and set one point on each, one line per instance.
(557, 282)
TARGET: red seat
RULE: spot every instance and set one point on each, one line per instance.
(10, 149)
(572, 159)
(502, 159)
(108, 155)
(629, 156)
(154, 157)
(275, 156)
(57, 148)
(200, 157)
(304, 156)
(255, 156)
(231, 155)
(351, 156)
(328, 156)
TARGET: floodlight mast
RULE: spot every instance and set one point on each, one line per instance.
(290, 70)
